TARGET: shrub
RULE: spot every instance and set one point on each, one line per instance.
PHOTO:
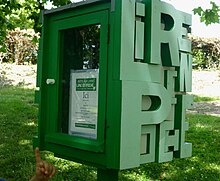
(22, 47)
(206, 52)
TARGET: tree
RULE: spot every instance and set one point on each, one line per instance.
(25, 14)
(19, 14)
(208, 16)
(6, 9)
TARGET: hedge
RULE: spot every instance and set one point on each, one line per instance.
(21, 47)
(206, 52)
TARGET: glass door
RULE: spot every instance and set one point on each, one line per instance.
(82, 67)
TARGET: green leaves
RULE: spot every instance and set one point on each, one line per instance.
(208, 16)
(61, 2)
(23, 14)
(6, 9)
(198, 11)
(206, 53)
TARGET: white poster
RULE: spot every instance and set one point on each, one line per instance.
(83, 113)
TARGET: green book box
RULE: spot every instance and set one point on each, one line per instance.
(112, 83)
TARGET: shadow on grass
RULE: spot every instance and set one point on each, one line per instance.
(18, 120)
(209, 108)
(204, 163)
(4, 81)
(18, 116)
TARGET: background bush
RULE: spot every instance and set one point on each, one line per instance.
(206, 53)
(21, 47)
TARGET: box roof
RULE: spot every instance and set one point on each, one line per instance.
(73, 5)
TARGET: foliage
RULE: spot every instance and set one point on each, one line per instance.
(21, 46)
(19, 14)
(18, 120)
(6, 9)
(60, 2)
(27, 16)
(208, 16)
(206, 52)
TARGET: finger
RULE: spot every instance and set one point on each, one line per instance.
(37, 155)
(42, 170)
(53, 172)
(46, 168)
(49, 169)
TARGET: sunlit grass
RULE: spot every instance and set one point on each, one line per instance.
(204, 98)
(18, 120)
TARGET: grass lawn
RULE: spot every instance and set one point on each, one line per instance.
(18, 120)
(205, 99)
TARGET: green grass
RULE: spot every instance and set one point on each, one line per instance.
(18, 120)
(204, 98)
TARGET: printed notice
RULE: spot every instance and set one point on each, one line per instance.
(83, 112)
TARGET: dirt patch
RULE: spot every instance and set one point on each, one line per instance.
(209, 108)
(206, 83)
(23, 75)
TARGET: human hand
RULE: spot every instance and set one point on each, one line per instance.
(44, 170)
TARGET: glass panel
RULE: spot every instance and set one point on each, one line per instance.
(80, 49)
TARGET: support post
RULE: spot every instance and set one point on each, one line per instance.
(107, 175)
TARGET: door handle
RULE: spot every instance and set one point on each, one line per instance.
(50, 81)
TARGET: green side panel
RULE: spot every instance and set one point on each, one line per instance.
(149, 86)
(41, 65)
(113, 126)
(114, 44)
(39, 60)
(114, 94)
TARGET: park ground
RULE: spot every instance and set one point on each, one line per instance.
(18, 124)
(205, 83)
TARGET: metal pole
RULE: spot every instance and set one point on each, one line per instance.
(107, 175)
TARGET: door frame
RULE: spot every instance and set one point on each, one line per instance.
(53, 91)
